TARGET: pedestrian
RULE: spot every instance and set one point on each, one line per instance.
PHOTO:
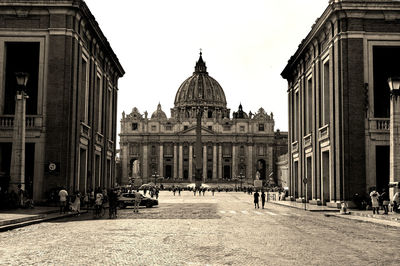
(144, 191)
(98, 202)
(156, 192)
(204, 191)
(256, 196)
(212, 191)
(194, 191)
(262, 199)
(112, 199)
(374, 201)
(76, 205)
(179, 191)
(136, 203)
(20, 196)
(396, 202)
(174, 191)
(63, 194)
(385, 201)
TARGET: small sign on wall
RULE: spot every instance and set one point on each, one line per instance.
(52, 168)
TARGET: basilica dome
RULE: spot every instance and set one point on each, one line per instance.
(200, 90)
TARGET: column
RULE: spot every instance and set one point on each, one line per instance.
(17, 169)
(249, 174)
(214, 174)
(124, 164)
(161, 159)
(234, 160)
(394, 137)
(220, 161)
(191, 163)
(175, 175)
(204, 163)
(180, 160)
(145, 175)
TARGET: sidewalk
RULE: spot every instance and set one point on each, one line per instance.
(11, 219)
(391, 219)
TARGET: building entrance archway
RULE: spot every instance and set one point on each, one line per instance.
(168, 171)
(227, 172)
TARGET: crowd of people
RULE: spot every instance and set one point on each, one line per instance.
(99, 200)
(382, 201)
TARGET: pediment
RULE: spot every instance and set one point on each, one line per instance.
(191, 131)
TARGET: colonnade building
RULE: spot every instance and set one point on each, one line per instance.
(240, 148)
(339, 101)
(72, 88)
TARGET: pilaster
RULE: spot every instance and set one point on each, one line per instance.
(191, 163)
(214, 175)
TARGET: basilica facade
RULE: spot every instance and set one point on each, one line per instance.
(240, 147)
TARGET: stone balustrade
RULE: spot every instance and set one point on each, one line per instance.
(32, 121)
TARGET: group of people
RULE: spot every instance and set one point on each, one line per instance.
(256, 196)
(98, 199)
(381, 200)
(153, 191)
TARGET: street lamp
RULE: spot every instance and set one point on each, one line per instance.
(394, 85)
(17, 168)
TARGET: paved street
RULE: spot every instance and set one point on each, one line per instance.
(187, 230)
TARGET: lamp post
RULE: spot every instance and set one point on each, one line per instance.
(17, 168)
(394, 85)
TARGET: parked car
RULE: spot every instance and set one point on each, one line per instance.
(128, 199)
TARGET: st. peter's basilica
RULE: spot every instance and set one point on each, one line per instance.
(242, 147)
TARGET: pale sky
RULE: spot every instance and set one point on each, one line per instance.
(246, 44)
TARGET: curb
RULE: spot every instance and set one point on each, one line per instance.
(12, 226)
(302, 208)
(370, 220)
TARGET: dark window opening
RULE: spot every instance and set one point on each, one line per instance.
(185, 127)
(210, 127)
(386, 60)
(261, 127)
(209, 114)
(185, 174)
(209, 174)
(134, 126)
(21, 57)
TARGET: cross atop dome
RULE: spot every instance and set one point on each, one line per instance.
(200, 65)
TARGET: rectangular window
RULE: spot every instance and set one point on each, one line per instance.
(296, 116)
(326, 96)
(210, 127)
(100, 104)
(385, 65)
(241, 128)
(21, 57)
(153, 128)
(134, 126)
(260, 127)
(168, 128)
(185, 127)
(110, 112)
(227, 128)
(84, 92)
(308, 106)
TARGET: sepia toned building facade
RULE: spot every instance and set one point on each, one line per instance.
(232, 148)
(339, 101)
(72, 88)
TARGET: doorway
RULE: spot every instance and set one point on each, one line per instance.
(382, 167)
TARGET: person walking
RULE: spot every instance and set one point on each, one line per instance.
(136, 203)
(76, 205)
(174, 191)
(262, 199)
(374, 201)
(256, 196)
(156, 191)
(63, 194)
(396, 202)
(179, 191)
(385, 201)
(113, 200)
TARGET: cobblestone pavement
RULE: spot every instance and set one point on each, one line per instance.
(187, 230)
